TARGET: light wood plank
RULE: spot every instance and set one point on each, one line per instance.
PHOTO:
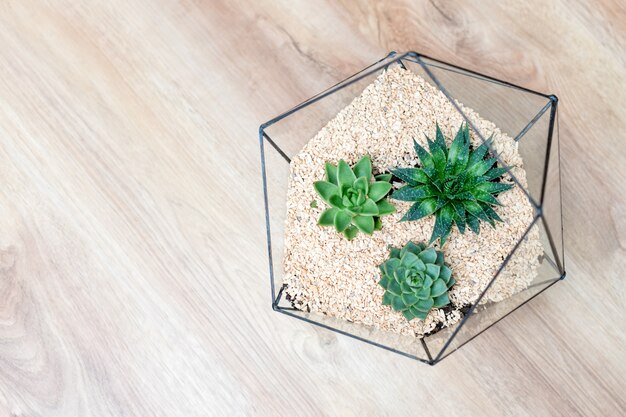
(132, 257)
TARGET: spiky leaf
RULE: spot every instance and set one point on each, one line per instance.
(413, 176)
(425, 208)
(479, 168)
(424, 156)
(494, 187)
(409, 193)
(443, 223)
(473, 223)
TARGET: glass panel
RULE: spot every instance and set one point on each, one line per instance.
(551, 207)
(509, 107)
(405, 345)
(296, 128)
(485, 315)
(532, 147)
(512, 110)
(276, 176)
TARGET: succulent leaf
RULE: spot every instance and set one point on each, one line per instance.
(326, 189)
(408, 314)
(441, 301)
(363, 168)
(335, 201)
(384, 177)
(328, 217)
(443, 224)
(345, 175)
(357, 199)
(350, 232)
(387, 298)
(412, 176)
(445, 273)
(425, 208)
(410, 259)
(433, 270)
(369, 208)
(342, 220)
(409, 193)
(425, 305)
(439, 287)
(473, 223)
(331, 173)
(428, 256)
(456, 184)
(361, 184)
(379, 190)
(378, 224)
(364, 223)
(395, 253)
(423, 155)
(384, 208)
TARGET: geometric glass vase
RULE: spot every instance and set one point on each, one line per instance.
(530, 117)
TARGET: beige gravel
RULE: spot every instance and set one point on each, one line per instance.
(326, 273)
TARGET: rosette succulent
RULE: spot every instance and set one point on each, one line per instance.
(458, 185)
(415, 280)
(356, 198)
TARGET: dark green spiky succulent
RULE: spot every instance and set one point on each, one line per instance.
(356, 202)
(458, 185)
(415, 280)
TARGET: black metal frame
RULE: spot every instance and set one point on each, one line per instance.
(395, 58)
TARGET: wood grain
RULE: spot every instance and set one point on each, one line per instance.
(132, 262)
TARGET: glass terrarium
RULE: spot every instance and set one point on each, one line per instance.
(528, 118)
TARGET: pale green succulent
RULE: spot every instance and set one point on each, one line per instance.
(356, 198)
(415, 280)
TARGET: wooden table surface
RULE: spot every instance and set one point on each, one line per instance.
(133, 271)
